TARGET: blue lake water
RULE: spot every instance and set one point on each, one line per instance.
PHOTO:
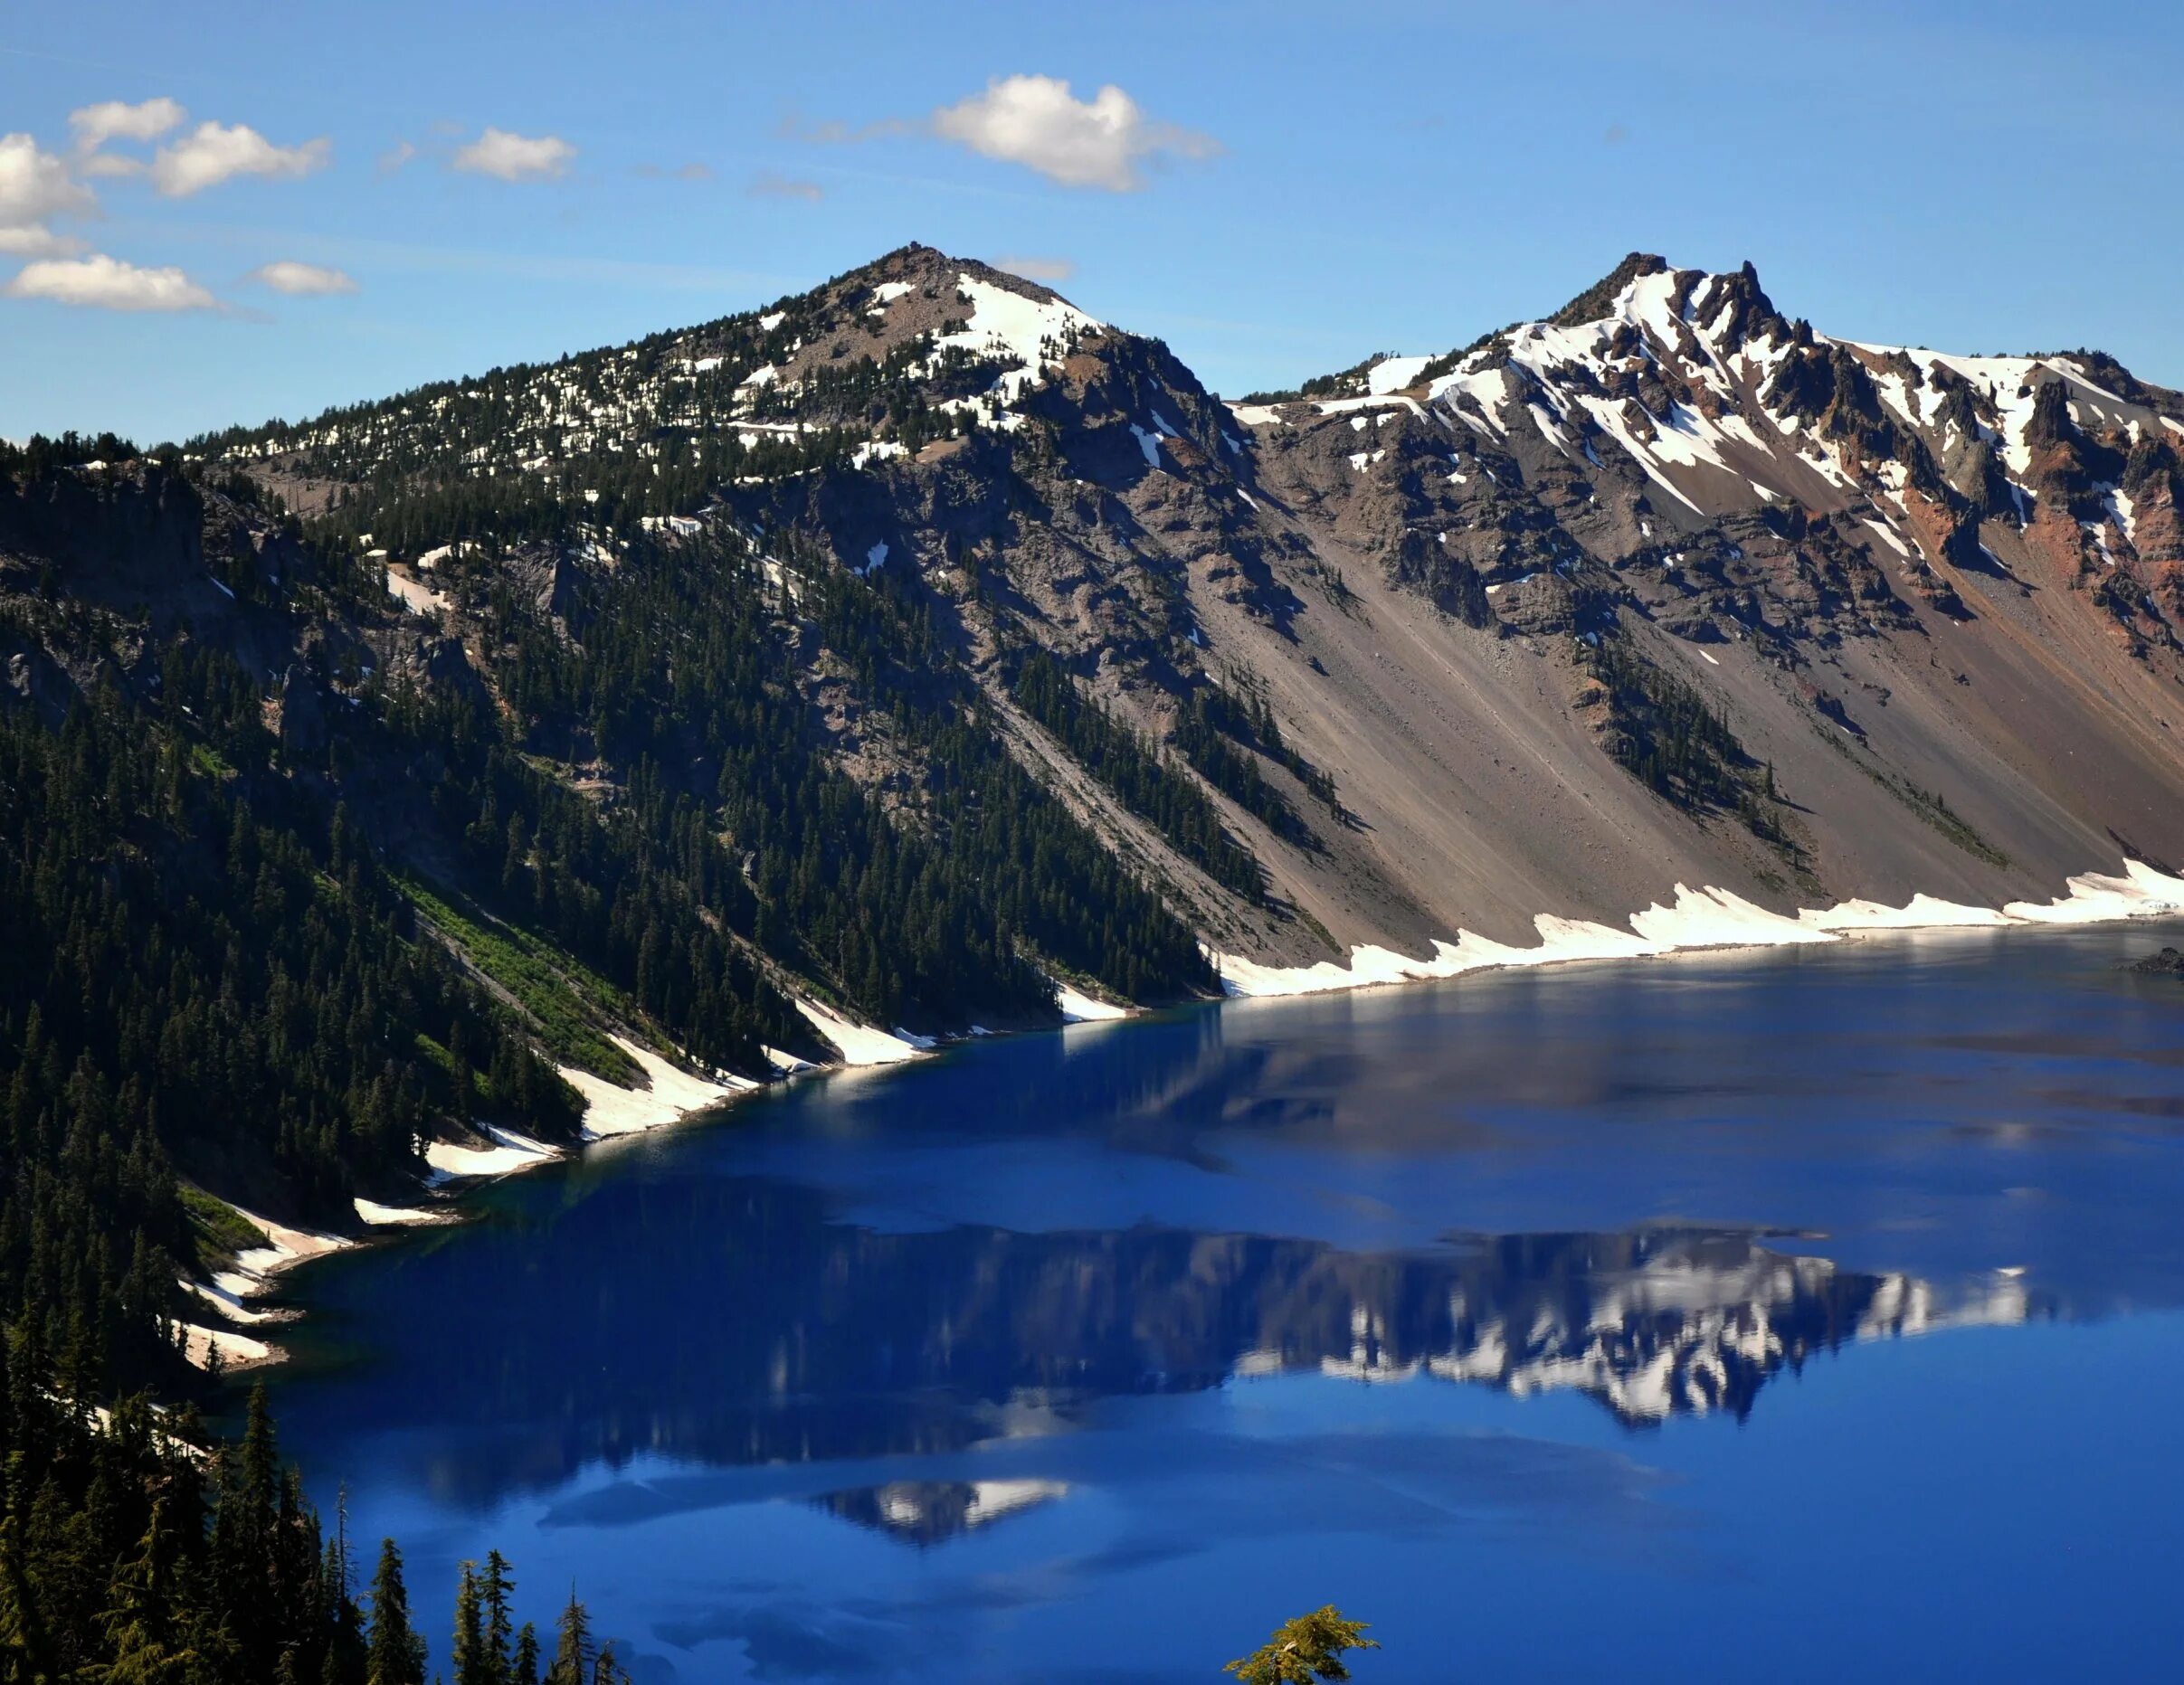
(1818, 1314)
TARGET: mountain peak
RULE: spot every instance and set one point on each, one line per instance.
(1597, 300)
(923, 266)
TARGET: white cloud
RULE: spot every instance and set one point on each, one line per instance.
(1052, 270)
(514, 157)
(301, 281)
(116, 119)
(36, 184)
(213, 153)
(396, 156)
(104, 283)
(34, 240)
(1036, 122)
(110, 163)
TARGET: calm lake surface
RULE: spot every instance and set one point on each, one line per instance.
(1818, 1314)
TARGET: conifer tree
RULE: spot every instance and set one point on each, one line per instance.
(470, 1657)
(525, 1668)
(496, 1585)
(22, 1653)
(140, 1618)
(574, 1653)
(1305, 1651)
(394, 1654)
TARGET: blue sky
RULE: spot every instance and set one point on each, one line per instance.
(1277, 190)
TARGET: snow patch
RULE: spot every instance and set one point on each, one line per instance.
(857, 1043)
(510, 1152)
(1394, 373)
(1717, 918)
(243, 1280)
(237, 1352)
(1889, 538)
(877, 450)
(2096, 898)
(1007, 326)
(1921, 912)
(671, 1093)
(1079, 1008)
(2122, 512)
(398, 1216)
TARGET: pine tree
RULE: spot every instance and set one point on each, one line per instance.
(495, 1587)
(23, 1650)
(141, 1626)
(526, 1666)
(1304, 1650)
(470, 1657)
(575, 1654)
(345, 1649)
(608, 1669)
(394, 1655)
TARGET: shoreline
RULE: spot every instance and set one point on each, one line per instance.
(1707, 920)
(1712, 919)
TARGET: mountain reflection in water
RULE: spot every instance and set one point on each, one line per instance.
(1654, 1323)
(1125, 1343)
(821, 1341)
(926, 1512)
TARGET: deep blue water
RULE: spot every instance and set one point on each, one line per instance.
(1813, 1314)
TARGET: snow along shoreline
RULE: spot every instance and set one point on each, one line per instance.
(1709, 919)
(1698, 920)
(610, 1112)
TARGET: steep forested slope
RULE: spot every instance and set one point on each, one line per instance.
(921, 641)
(298, 888)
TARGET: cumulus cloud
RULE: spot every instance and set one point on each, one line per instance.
(36, 184)
(103, 283)
(396, 156)
(213, 153)
(786, 187)
(1102, 142)
(116, 119)
(34, 240)
(1052, 271)
(301, 281)
(514, 157)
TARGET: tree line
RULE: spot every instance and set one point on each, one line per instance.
(136, 1548)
